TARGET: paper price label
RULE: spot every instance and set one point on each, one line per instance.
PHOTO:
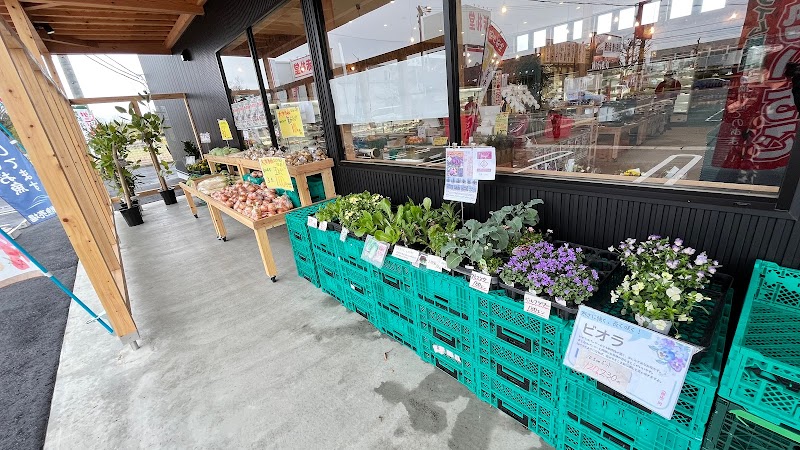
(480, 281)
(435, 263)
(405, 253)
(323, 226)
(343, 234)
(537, 306)
(312, 222)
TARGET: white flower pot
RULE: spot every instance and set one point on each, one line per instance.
(662, 326)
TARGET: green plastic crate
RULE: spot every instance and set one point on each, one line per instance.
(591, 434)
(355, 281)
(326, 242)
(306, 269)
(534, 414)
(463, 370)
(763, 369)
(329, 274)
(531, 375)
(395, 274)
(695, 402)
(447, 326)
(446, 292)
(437, 343)
(505, 319)
(397, 327)
(733, 428)
(350, 255)
(364, 306)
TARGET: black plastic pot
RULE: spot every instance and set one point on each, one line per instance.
(168, 196)
(132, 216)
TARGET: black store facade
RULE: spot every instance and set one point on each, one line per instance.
(671, 117)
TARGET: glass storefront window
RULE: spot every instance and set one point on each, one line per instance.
(671, 93)
(389, 86)
(247, 106)
(285, 65)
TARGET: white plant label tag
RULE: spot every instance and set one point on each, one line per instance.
(312, 222)
(343, 234)
(405, 253)
(537, 306)
(480, 281)
(323, 226)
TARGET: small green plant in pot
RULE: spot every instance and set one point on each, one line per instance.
(665, 281)
(149, 129)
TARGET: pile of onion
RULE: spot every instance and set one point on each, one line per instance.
(252, 200)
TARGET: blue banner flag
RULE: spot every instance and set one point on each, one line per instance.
(20, 186)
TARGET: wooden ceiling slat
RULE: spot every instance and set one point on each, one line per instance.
(135, 47)
(165, 6)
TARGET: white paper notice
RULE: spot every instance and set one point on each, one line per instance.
(323, 226)
(537, 306)
(484, 164)
(312, 222)
(459, 182)
(480, 281)
(343, 234)
(405, 253)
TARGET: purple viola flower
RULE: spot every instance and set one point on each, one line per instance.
(672, 264)
(689, 251)
(679, 241)
(701, 259)
(653, 237)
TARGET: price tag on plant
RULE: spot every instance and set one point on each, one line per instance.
(480, 281)
(375, 251)
(405, 253)
(343, 234)
(435, 263)
(312, 222)
(323, 226)
(537, 305)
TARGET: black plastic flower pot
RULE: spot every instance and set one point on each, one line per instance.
(168, 196)
(132, 216)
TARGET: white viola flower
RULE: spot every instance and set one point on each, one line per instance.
(666, 275)
(674, 293)
(698, 297)
(683, 318)
(648, 305)
(614, 296)
(611, 249)
(636, 288)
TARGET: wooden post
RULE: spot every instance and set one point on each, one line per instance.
(194, 127)
(50, 133)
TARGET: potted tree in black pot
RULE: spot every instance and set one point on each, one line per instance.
(149, 129)
(109, 149)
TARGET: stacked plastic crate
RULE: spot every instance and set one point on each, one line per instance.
(297, 227)
(593, 416)
(759, 404)
(520, 362)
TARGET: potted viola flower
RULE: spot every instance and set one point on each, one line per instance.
(665, 282)
(557, 272)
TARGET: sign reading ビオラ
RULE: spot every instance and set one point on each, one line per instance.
(276, 173)
(641, 364)
(20, 187)
(290, 122)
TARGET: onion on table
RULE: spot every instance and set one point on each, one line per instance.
(252, 200)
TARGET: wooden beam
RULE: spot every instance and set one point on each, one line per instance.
(67, 40)
(134, 47)
(124, 99)
(38, 7)
(70, 29)
(180, 27)
(51, 14)
(107, 37)
(160, 6)
(27, 33)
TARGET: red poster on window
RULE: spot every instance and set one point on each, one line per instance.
(759, 124)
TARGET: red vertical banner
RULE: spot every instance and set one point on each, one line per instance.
(759, 123)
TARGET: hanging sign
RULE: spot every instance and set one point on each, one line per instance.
(276, 173)
(493, 51)
(302, 67)
(290, 122)
(225, 130)
(20, 186)
(459, 183)
(374, 251)
(205, 138)
(641, 364)
(501, 124)
(484, 164)
(14, 266)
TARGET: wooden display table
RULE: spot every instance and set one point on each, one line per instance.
(259, 227)
(299, 173)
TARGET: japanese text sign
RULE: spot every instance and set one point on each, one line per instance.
(641, 364)
(374, 251)
(225, 130)
(276, 174)
(20, 186)
(290, 122)
(302, 67)
(459, 182)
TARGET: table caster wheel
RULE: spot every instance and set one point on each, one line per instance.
(274, 279)
(224, 239)
(195, 216)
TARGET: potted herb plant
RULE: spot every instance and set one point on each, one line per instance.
(109, 148)
(665, 281)
(192, 153)
(149, 128)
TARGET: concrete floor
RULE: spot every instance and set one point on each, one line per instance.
(231, 360)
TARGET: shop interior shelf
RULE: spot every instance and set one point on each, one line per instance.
(763, 369)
